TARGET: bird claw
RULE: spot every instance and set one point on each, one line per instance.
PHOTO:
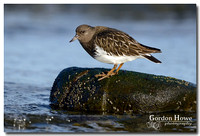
(100, 75)
(103, 75)
(106, 76)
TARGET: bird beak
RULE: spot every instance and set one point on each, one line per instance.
(74, 38)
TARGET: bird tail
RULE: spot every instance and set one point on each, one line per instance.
(151, 58)
(151, 49)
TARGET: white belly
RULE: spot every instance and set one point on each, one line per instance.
(102, 56)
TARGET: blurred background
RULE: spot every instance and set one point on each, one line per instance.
(37, 48)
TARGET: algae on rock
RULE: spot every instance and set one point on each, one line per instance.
(78, 89)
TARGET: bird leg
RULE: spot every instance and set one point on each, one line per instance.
(116, 72)
(110, 73)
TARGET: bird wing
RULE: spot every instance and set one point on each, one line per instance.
(116, 42)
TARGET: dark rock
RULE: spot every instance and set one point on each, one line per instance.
(78, 89)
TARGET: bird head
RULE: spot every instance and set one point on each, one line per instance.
(84, 33)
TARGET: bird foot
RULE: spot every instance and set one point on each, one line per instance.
(100, 75)
(103, 75)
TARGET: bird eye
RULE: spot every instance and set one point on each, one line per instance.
(82, 32)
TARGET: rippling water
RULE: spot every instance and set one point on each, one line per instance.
(37, 48)
(27, 110)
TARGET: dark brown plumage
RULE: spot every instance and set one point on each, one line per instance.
(112, 46)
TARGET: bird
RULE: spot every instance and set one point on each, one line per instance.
(112, 46)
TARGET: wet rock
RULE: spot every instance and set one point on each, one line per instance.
(78, 89)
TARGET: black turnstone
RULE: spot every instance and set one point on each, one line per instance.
(112, 46)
